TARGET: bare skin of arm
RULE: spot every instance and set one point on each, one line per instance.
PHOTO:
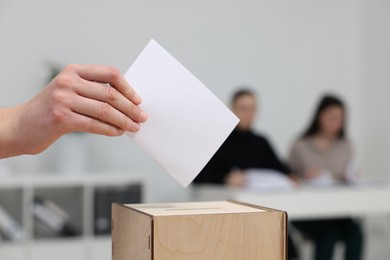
(86, 98)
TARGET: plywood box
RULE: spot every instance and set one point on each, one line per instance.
(222, 230)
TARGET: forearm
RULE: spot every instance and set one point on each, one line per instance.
(23, 130)
(9, 145)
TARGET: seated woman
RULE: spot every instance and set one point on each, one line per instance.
(242, 150)
(324, 151)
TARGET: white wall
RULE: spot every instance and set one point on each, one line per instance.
(375, 89)
(289, 51)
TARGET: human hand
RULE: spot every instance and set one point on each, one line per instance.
(294, 178)
(86, 98)
(236, 178)
(312, 173)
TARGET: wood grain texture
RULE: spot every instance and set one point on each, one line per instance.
(131, 234)
(195, 208)
(246, 236)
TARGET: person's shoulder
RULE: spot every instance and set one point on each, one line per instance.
(300, 144)
(345, 143)
(260, 137)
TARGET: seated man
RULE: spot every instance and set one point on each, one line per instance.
(243, 150)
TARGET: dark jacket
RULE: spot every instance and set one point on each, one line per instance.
(241, 150)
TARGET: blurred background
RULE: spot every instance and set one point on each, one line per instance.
(290, 52)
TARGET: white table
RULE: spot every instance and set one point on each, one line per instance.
(310, 202)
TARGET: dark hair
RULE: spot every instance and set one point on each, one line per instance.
(242, 92)
(326, 102)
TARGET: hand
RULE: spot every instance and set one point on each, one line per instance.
(236, 178)
(86, 98)
(312, 173)
(294, 178)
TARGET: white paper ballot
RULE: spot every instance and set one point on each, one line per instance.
(186, 124)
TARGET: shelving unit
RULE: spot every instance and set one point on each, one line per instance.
(76, 196)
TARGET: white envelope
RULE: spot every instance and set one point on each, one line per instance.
(186, 124)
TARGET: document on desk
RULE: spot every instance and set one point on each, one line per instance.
(187, 123)
(267, 180)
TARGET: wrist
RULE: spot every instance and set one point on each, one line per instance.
(9, 142)
(10, 131)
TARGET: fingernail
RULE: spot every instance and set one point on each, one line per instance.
(120, 131)
(144, 116)
(138, 99)
(135, 127)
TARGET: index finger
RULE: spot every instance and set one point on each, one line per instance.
(110, 75)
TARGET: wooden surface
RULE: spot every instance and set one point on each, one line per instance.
(220, 230)
(193, 208)
(131, 234)
(249, 236)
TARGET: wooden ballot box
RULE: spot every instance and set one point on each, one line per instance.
(221, 230)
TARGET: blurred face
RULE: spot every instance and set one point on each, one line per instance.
(331, 121)
(245, 109)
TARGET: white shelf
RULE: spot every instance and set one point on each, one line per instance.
(59, 249)
(75, 194)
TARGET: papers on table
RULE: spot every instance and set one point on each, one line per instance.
(267, 180)
(325, 179)
(186, 124)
